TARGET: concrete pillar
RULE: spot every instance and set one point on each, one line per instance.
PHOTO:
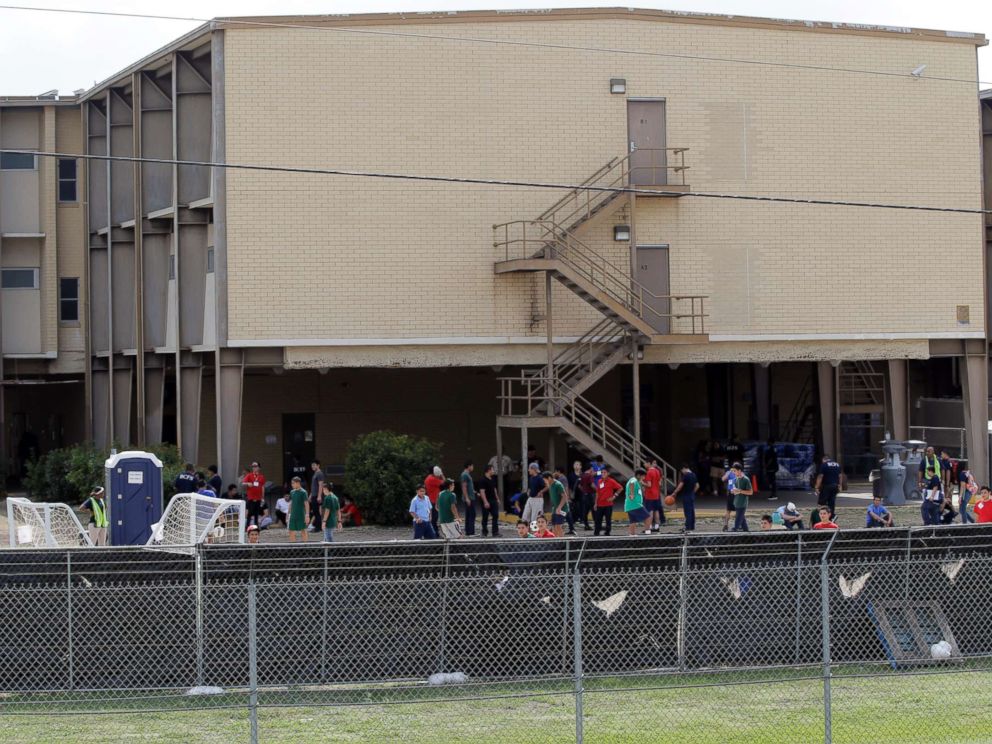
(897, 399)
(636, 381)
(154, 404)
(101, 407)
(829, 409)
(975, 386)
(761, 395)
(122, 403)
(229, 379)
(191, 373)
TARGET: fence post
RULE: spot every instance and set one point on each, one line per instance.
(252, 663)
(799, 593)
(683, 600)
(198, 580)
(68, 592)
(323, 622)
(444, 608)
(825, 629)
(577, 646)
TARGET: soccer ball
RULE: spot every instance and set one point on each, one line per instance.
(533, 526)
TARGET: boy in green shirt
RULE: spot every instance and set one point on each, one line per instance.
(299, 511)
(559, 503)
(740, 488)
(447, 512)
(330, 511)
(634, 501)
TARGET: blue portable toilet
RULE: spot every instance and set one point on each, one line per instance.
(134, 496)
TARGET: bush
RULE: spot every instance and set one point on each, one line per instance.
(382, 472)
(69, 474)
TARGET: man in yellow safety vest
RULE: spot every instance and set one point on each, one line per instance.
(97, 508)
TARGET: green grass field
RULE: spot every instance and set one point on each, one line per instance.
(947, 708)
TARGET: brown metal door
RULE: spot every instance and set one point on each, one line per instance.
(653, 276)
(646, 135)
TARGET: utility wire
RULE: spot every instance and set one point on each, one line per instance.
(501, 42)
(501, 182)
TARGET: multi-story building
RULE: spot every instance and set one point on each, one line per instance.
(42, 252)
(635, 295)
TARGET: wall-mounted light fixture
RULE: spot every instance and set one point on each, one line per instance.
(621, 233)
(618, 85)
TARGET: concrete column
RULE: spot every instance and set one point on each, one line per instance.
(761, 395)
(122, 403)
(897, 399)
(523, 452)
(636, 372)
(154, 404)
(499, 466)
(191, 374)
(829, 409)
(975, 386)
(100, 382)
(229, 379)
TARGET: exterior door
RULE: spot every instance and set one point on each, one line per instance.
(652, 274)
(646, 135)
(299, 439)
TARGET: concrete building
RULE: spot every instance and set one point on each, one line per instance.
(259, 314)
(42, 252)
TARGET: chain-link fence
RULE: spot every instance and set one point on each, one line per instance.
(855, 636)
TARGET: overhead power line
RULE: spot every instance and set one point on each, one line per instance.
(498, 42)
(512, 183)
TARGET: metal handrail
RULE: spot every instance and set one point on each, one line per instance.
(564, 402)
(586, 199)
(554, 242)
(583, 352)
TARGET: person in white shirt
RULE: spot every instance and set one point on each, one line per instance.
(282, 510)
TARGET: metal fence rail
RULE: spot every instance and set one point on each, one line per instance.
(716, 635)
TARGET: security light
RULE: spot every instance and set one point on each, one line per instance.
(621, 233)
(618, 85)
(918, 72)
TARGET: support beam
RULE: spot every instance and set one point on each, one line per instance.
(829, 409)
(229, 379)
(188, 408)
(101, 407)
(634, 350)
(550, 374)
(975, 387)
(523, 457)
(499, 467)
(122, 403)
(761, 395)
(154, 395)
(897, 399)
(141, 428)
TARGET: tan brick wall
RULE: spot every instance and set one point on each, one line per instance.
(414, 260)
(71, 239)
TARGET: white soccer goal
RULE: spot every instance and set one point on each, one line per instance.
(191, 518)
(32, 525)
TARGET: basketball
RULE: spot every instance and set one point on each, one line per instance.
(669, 500)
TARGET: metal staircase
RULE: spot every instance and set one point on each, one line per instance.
(537, 402)
(801, 424)
(861, 388)
(550, 396)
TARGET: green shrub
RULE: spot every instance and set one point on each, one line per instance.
(69, 474)
(382, 472)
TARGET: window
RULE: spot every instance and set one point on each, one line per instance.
(11, 160)
(19, 278)
(67, 179)
(69, 299)
(210, 260)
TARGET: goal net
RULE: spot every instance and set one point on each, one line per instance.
(32, 525)
(191, 518)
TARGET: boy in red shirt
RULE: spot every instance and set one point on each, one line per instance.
(254, 483)
(652, 496)
(825, 523)
(983, 509)
(606, 493)
(542, 528)
(433, 483)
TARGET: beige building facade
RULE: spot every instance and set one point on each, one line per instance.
(488, 303)
(42, 251)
